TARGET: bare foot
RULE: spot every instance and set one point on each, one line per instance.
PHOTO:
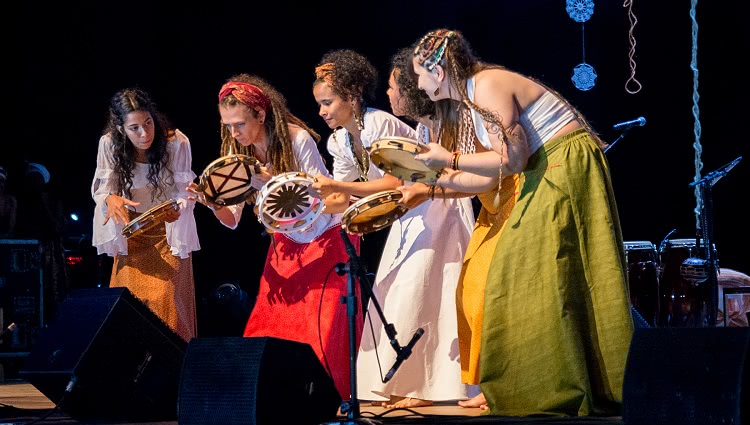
(474, 402)
(397, 402)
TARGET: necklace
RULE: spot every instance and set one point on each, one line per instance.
(362, 167)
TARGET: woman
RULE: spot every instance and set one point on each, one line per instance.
(557, 324)
(495, 208)
(144, 162)
(415, 283)
(299, 296)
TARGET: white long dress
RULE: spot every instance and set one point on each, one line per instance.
(416, 288)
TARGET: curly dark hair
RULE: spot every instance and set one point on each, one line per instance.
(278, 117)
(354, 76)
(159, 175)
(418, 104)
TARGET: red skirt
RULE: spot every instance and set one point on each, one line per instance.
(300, 299)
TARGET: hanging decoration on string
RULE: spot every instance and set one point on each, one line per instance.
(632, 85)
(584, 75)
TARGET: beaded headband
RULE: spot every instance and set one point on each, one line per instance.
(246, 93)
(430, 54)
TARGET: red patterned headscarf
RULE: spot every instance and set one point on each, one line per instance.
(246, 93)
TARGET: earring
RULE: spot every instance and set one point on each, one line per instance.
(436, 92)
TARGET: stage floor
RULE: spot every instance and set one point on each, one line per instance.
(21, 403)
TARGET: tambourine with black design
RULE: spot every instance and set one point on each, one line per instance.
(226, 181)
(395, 156)
(150, 218)
(285, 205)
(373, 212)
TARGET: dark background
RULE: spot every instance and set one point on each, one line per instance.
(67, 59)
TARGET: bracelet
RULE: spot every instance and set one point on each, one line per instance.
(454, 160)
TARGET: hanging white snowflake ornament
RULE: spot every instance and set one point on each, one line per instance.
(580, 10)
(584, 76)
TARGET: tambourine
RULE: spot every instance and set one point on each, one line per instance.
(395, 156)
(149, 219)
(284, 203)
(373, 212)
(226, 181)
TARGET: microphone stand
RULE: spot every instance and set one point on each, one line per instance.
(622, 135)
(357, 269)
(706, 233)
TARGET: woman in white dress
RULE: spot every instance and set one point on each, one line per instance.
(419, 268)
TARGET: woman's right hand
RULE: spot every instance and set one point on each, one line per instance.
(200, 197)
(117, 208)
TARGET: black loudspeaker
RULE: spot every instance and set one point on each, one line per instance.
(107, 357)
(254, 381)
(687, 376)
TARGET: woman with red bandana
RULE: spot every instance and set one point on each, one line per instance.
(299, 297)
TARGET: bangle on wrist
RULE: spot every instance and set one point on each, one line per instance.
(454, 160)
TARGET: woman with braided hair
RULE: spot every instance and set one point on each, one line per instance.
(142, 162)
(299, 296)
(557, 324)
(495, 208)
(416, 279)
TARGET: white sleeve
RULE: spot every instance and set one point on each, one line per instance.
(309, 158)
(107, 238)
(182, 234)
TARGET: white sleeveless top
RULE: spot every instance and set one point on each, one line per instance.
(543, 118)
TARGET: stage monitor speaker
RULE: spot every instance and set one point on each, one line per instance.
(254, 381)
(688, 376)
(107, 357)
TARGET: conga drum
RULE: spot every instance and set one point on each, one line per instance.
(149, 219)
(395, 156)
(373, 212)
(285, 205)
(226, 180)
(683, 288)
(643, 279)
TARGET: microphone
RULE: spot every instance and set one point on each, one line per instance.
(348, 244)
(403, 355)
(11, 328)
(627, 125)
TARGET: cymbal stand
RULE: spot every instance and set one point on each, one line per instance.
(705, 232)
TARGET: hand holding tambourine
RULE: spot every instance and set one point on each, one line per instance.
(413, 195)
(434, 156)
(322, 187)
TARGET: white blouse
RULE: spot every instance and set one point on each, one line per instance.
(182, 234)
(378, 124)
